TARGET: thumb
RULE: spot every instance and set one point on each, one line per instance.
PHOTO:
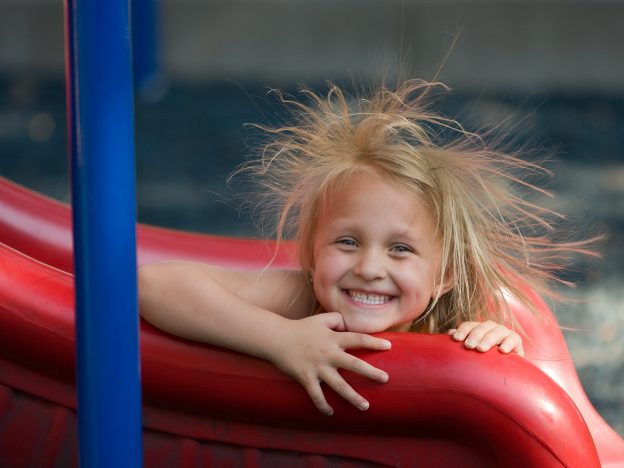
(333, 321)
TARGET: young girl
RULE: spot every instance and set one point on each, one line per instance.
(397, 230)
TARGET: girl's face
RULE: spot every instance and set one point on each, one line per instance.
(376, 256)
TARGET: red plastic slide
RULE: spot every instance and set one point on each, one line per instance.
(204, 406)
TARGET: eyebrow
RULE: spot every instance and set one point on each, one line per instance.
(412, 241)
(406, 235)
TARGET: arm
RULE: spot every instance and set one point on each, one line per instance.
(483, 335)
(263, 314)
(218, 306)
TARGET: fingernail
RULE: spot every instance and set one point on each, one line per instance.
(452, 331)
(459, 336)
(383, 378)
(364, 405)
(387, 345)
(470, 344)
(328, 412)
(505, 348)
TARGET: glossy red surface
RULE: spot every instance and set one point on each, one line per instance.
(443, 405)
(40, 227)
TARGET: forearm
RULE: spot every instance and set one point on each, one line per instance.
(221, 307)
(184, 300)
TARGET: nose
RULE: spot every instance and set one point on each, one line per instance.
(370, 265)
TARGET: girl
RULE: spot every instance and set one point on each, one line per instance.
(396, 230)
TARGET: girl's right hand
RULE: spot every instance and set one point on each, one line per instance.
(311, 351)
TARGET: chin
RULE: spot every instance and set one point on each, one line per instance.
(367, 328)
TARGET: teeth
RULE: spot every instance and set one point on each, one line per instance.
(368, 299)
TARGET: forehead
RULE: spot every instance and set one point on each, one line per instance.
(371, 199)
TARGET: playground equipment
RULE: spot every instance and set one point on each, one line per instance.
(443, 406)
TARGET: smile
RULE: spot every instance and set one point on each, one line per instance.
(368, 299)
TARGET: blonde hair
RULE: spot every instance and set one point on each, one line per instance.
(492, 239)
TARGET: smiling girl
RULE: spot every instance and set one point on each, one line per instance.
(396, 230)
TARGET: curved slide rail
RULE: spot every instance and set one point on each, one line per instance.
(40, 227)
(195, 391)
(200, 398)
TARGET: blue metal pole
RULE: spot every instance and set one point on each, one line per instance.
(101, 140)
(148, 76)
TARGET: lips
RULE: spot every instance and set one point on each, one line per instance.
(368, 298)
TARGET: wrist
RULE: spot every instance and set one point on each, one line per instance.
(273, 337)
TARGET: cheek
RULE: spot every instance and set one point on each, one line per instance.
(328, 265)
(323, 278)
(329, 268)
(322, 286)
(409, 276)
(320, 273)
(414, 282)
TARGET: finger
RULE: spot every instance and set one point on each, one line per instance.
(472, 332)
(477, 333)
(462, 331)
(332, 320)
(318, 398)
(342, 388)
(363, 368)
(496, 336)
(512, 343)
(363, 341)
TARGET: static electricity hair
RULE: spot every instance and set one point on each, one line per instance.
(494, 241)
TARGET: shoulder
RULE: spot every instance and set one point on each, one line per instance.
(285, 292)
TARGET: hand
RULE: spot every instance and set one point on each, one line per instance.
(311, 351)
(483, 335)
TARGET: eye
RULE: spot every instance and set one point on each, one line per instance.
(401, 248)
(347, 242)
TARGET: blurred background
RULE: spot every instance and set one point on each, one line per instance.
(553, 71)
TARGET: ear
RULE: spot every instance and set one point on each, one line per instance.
(448, 282)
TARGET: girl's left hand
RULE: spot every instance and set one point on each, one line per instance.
(483, 335)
